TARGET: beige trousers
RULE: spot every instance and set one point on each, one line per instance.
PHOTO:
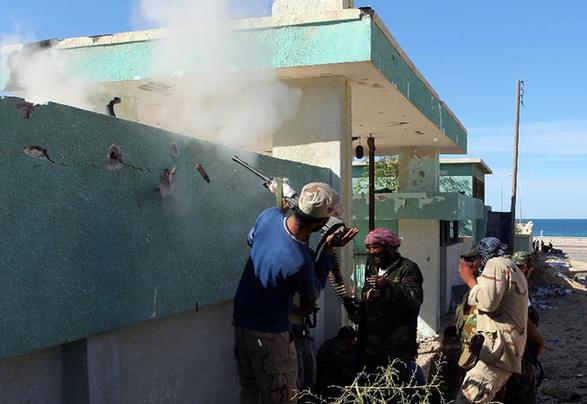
(482, 383)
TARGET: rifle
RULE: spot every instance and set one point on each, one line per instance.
(333, 226)
(292, 199)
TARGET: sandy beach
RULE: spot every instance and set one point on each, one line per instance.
(575, 249)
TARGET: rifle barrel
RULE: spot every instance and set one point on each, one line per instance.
(266, 179)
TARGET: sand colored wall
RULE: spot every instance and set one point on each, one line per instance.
(320, 135)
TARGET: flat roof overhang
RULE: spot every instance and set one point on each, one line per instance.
(390, 99)
(472, 161)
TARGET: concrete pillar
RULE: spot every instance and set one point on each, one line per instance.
(421, 244)
(289, 7)
(320, 135)
(419, 172)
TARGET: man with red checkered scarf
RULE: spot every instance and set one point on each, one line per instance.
(391, 302)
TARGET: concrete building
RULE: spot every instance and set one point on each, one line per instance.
(466, 176)
(117, 295)
(459, 210)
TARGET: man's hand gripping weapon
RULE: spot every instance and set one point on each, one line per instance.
(334, 234)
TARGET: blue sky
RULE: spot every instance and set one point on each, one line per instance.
(471, 52)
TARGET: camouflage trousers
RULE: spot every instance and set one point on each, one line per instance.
(482, 383)
(267, 366)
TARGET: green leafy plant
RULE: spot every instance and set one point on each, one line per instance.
(386, 175)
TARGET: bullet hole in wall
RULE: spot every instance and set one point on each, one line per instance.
(38, 152)
(24, 107)
(166, 183)
(115, 157)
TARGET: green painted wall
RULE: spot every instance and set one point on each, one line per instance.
(86, 249)
(419, 206)
(390, 208)
(456, 169)
(479, 173)
(344, 41)
(305, 45)
(268, 48)
(472, 170)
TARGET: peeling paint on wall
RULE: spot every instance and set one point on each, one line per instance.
(418, 169)
(399, 203)
(422, 202)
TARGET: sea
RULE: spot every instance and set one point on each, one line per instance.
(559, 227)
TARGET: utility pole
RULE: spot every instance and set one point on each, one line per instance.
(371, 144)
(519, 89)
(501, 194)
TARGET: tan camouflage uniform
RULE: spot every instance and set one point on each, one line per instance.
(501, 301)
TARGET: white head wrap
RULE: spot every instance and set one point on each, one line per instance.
(319, 200)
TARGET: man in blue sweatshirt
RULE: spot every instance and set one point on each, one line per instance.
(280, 265)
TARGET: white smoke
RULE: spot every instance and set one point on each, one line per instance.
(210, 97)
(39, 75)
(37, 71)
(196, 87)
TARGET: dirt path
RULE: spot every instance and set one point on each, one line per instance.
(561, 297)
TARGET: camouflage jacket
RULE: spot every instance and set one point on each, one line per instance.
(389, 317)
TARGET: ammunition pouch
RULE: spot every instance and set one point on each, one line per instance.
(471, 351)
